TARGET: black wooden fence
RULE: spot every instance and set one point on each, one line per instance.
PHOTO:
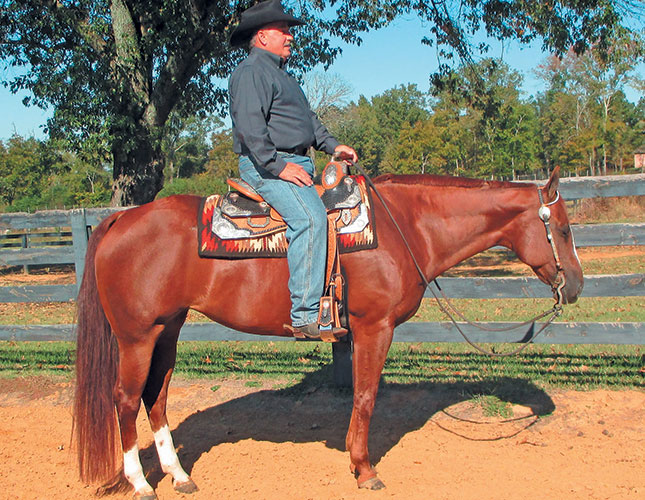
(80, 221)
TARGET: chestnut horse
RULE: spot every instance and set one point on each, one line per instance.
(143, 274)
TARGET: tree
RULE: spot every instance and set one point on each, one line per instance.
(185, 144)
(114, 70)
(584, 100)
(222, 162)
(372, 126)
(326, 93)
(117, 69)
(416, 151)
(21, 170)
(500, 128)
(39, 175)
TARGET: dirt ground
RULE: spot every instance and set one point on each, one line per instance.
(427, 441)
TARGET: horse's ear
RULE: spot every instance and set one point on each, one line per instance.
(551, 188)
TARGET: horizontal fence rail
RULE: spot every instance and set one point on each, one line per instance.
(626, 285)
(555, 333)
(576, 188)
(588, 235)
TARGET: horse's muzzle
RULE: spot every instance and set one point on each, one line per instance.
(569, 293)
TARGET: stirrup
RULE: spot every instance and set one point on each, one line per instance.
(332, 333)
(329, 320)
(310, 331)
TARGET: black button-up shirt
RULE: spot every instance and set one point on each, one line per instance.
(270, 113)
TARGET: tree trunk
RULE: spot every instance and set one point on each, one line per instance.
(138, 170)
(604, 160)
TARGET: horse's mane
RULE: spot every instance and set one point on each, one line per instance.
(447, 181)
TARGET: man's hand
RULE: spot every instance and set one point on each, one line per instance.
(296, 174)
(346, 153)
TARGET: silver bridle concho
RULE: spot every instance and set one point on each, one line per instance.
(544, 212)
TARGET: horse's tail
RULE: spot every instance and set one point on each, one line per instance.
(95, 426)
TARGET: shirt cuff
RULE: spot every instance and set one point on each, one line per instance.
(276, 166)
(330, 146)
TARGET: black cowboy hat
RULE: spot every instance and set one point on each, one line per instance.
(258, 16)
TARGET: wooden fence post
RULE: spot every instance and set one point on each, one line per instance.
(25, 244)
(80, 236)
(342, 361)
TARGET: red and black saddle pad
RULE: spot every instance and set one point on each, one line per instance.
(275, 244)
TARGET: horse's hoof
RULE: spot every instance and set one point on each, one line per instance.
(186, 487)
(146, 495)
(373, 483)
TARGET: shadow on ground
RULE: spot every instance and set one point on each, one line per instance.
(316, 411)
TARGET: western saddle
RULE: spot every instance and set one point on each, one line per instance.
(246, 212)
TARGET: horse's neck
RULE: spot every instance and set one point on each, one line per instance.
(459, 222)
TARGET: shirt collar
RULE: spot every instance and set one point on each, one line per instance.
(270, 56)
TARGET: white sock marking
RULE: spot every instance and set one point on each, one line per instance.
(133, 470)
(168, 456)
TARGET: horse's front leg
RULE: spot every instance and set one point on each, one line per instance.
(370, 351)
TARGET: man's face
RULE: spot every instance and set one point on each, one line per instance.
(276, 38)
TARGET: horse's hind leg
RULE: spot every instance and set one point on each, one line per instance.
(155, 396)
(134, 365)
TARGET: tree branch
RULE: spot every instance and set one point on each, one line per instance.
(80, 24)
(182, 65)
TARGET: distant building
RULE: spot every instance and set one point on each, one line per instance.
(639, 157)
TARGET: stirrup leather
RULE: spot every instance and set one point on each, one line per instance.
(329, 324)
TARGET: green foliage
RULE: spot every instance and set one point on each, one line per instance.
(372, 126)
(200, 185)
(21, 169)
(222, 161)
(114, 72)
(492, 129)
(587, 123)
(35, 175)
(488, 131)
(185, 144)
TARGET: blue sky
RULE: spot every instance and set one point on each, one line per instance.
(388, 57)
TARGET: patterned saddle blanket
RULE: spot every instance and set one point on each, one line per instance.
(235, 226)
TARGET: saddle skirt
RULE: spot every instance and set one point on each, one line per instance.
(240, 224)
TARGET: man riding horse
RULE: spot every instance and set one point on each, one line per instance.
(273, 129)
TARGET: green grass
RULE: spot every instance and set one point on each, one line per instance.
(42, 358)
(580, 367)
(492, 406)
(599, 309)
(613, 309)
(613, 264)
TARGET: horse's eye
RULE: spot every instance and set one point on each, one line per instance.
(565, 231)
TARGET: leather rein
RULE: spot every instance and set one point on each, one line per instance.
(544, 212)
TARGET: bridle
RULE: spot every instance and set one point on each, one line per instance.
(544, 213)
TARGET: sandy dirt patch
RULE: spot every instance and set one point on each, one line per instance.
(427, 441)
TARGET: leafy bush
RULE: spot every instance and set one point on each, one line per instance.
(201, 185)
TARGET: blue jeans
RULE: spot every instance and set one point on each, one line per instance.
(306, 218)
